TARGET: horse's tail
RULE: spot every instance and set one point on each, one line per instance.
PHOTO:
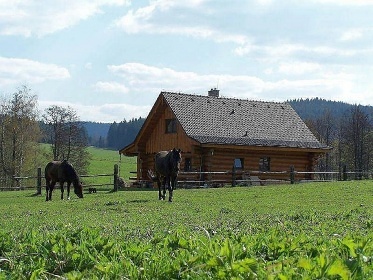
(152, 176)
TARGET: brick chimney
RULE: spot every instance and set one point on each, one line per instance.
(214, 92)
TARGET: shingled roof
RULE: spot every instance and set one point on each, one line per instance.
(217, 120)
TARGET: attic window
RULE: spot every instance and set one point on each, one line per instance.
(170, 125)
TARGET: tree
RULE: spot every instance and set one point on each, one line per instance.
(123, 133)
(323, 128)
(67, 136)
(19, 133)
(356, 134)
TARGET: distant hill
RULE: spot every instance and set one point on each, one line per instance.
(311, 109)
(95, 129)
(97, 133)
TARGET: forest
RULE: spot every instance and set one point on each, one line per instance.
(346, 128)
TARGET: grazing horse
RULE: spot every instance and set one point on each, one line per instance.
(62, 171)
(167, 166)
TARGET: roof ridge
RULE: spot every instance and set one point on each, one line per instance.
(224, 97)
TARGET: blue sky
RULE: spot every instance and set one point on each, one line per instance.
(110, 59)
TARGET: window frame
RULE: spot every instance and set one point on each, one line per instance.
(241, 161)
(171, 126)
(265, 164)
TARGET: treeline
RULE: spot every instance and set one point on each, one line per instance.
(312, 108)
(123, 133)
(347, 129)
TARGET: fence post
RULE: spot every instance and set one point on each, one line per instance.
(344, 173)
(233, 176)
(292, 174)
(116, 177)
(38, 183)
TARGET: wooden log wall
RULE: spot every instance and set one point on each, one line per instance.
(221, 159)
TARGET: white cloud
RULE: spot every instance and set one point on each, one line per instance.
(346, 2)
(88, 66)
(145, 78)
(113, 87)
(352, 35)
(147, 20)
(106, 113)
(265, 2)
(18, 70)
(34, 17)
(298, 67)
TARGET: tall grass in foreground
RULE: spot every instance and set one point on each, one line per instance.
(305, 231)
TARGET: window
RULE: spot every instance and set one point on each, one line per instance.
(187, 164)
(264, 164)
(170, 125)
(238, 163)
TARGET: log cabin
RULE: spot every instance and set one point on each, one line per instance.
(219, 134)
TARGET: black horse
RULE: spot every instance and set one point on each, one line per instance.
(167, 166)
(62, 171)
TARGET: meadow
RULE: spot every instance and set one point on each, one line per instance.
(102, 161)
(301, 231)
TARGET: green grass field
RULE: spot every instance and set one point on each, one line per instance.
(103, 161)
(303, 231)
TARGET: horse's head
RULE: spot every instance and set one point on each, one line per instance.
(78, 189)
(175, 160)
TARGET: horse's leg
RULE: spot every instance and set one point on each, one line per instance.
(165, 180)
(51, 187)
(62, 188)
(68, 190)
(47, 189)
(159, 189)
(171, 189)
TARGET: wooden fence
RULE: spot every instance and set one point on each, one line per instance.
(199, 179)
(244, 177)
(206, 179)
(38, 182)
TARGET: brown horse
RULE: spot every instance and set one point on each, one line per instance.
(167, 166)
(61, 172)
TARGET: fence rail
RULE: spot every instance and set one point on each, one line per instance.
(36, 182)
(245, 177)
(204, 179)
